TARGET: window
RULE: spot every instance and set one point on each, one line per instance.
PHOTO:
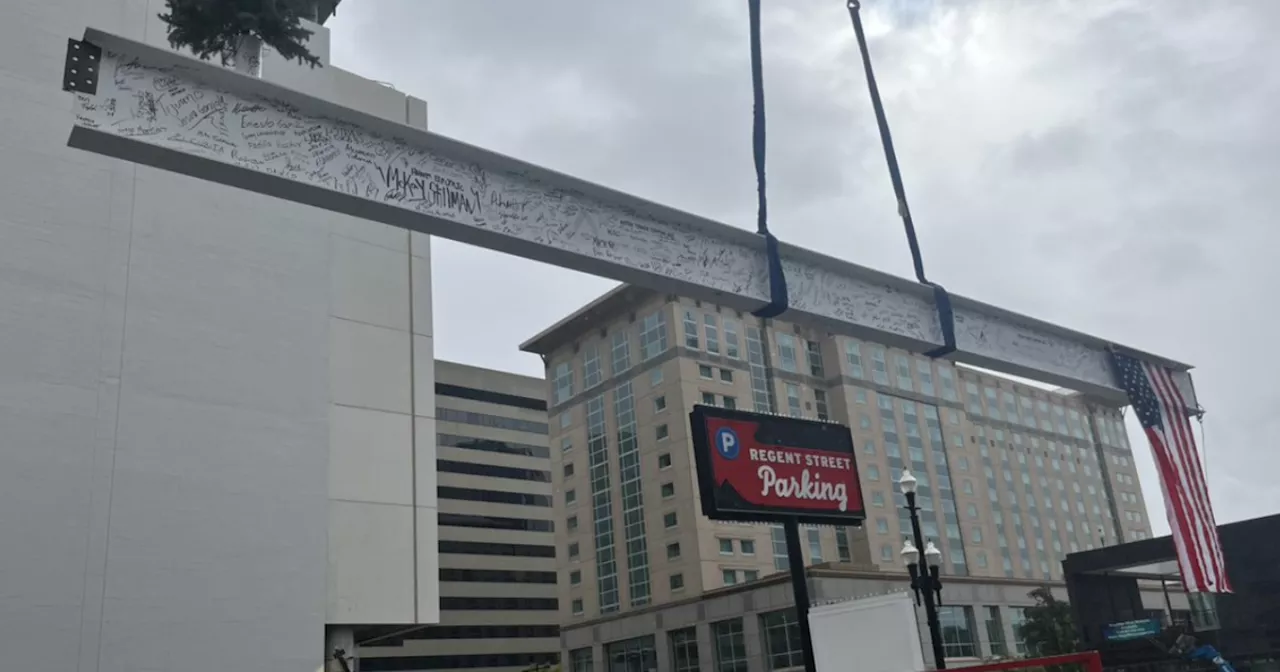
(813, 351)
(591, 373)
(886, 552)
(664, 461)
(690, 330)
(820, 404)
(659, 403)
(995, 631)
(570, 496)
(975, 535)
(948, 383)
(750, 575)
(621, 352)
(574, 550)
(731, 338)
(904, 371)
(962, 462)
(709, 399)
(778, 538)
(842, 545)
(676, 582)
(580, 660)
(566, 419)
(729, 402)
(486, 420)
(787, 353)
(924, 369)
(668, 490)
(653, 336)
(879, 368)
(982, 560)
(566, 444)
(577, 607)
(673, 550)
(575, 577)
(968, 487)
(877, 500)
(713, 334)
(706, 372)
(958, 637)
(873, 472)
(571, 523)
(793, 399)
(730, 646)
(638, 653)
(726, 375)
(860, 396)
(562, 383)
(815, 545)
(971, 510)
(882, 525)
(783, 646)
(1018, 617)
(748, 547)
(655, 377)
(661, 432)
(726, 546)
(853, 356)
(684, 642)
(669, 520)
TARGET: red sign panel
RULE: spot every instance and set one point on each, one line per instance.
(761, 468)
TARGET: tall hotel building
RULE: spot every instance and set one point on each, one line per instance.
(1011, 476)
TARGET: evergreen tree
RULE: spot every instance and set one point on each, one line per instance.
(1048, 629)
(215, 27)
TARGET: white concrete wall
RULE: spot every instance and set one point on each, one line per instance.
(216, 412)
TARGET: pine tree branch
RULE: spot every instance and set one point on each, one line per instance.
(216, 27)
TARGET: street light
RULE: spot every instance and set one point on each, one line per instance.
(925, 582)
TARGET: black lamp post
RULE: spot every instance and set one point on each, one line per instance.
(925, 581)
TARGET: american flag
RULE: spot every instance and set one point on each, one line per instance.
(1161, 409)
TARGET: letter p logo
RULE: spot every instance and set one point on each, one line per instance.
(727, 443)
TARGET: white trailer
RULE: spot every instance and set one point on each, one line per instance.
(871, 634)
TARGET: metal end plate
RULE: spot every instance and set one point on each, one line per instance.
(84, 63)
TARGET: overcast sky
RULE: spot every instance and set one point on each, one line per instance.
(1109, 165)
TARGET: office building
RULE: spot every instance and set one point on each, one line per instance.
(217, 407)
(498, 601)
(1012, 477)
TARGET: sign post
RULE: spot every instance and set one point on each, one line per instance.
(762, 468)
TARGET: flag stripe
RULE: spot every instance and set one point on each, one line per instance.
(1202, 485)
(1192, 479)
(1173, 442)
(1162, 410)
(1176, 511)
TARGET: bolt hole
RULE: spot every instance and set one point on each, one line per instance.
(77, 47)
(73, 71)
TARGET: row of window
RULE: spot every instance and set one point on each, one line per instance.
(782, 648)
(487, 420)
(459, 662)
(653, 342)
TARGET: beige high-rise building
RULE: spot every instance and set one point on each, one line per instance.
(498, 600)
(1011, 477)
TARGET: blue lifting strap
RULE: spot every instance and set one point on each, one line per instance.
(777, 279)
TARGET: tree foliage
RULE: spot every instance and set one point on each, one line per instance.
(1049, 629)
(216, 27)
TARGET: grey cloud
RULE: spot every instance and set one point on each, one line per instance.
(1110, 165)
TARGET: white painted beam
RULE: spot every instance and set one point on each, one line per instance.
(161, 109)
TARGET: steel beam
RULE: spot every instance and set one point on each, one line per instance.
(162, 109)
